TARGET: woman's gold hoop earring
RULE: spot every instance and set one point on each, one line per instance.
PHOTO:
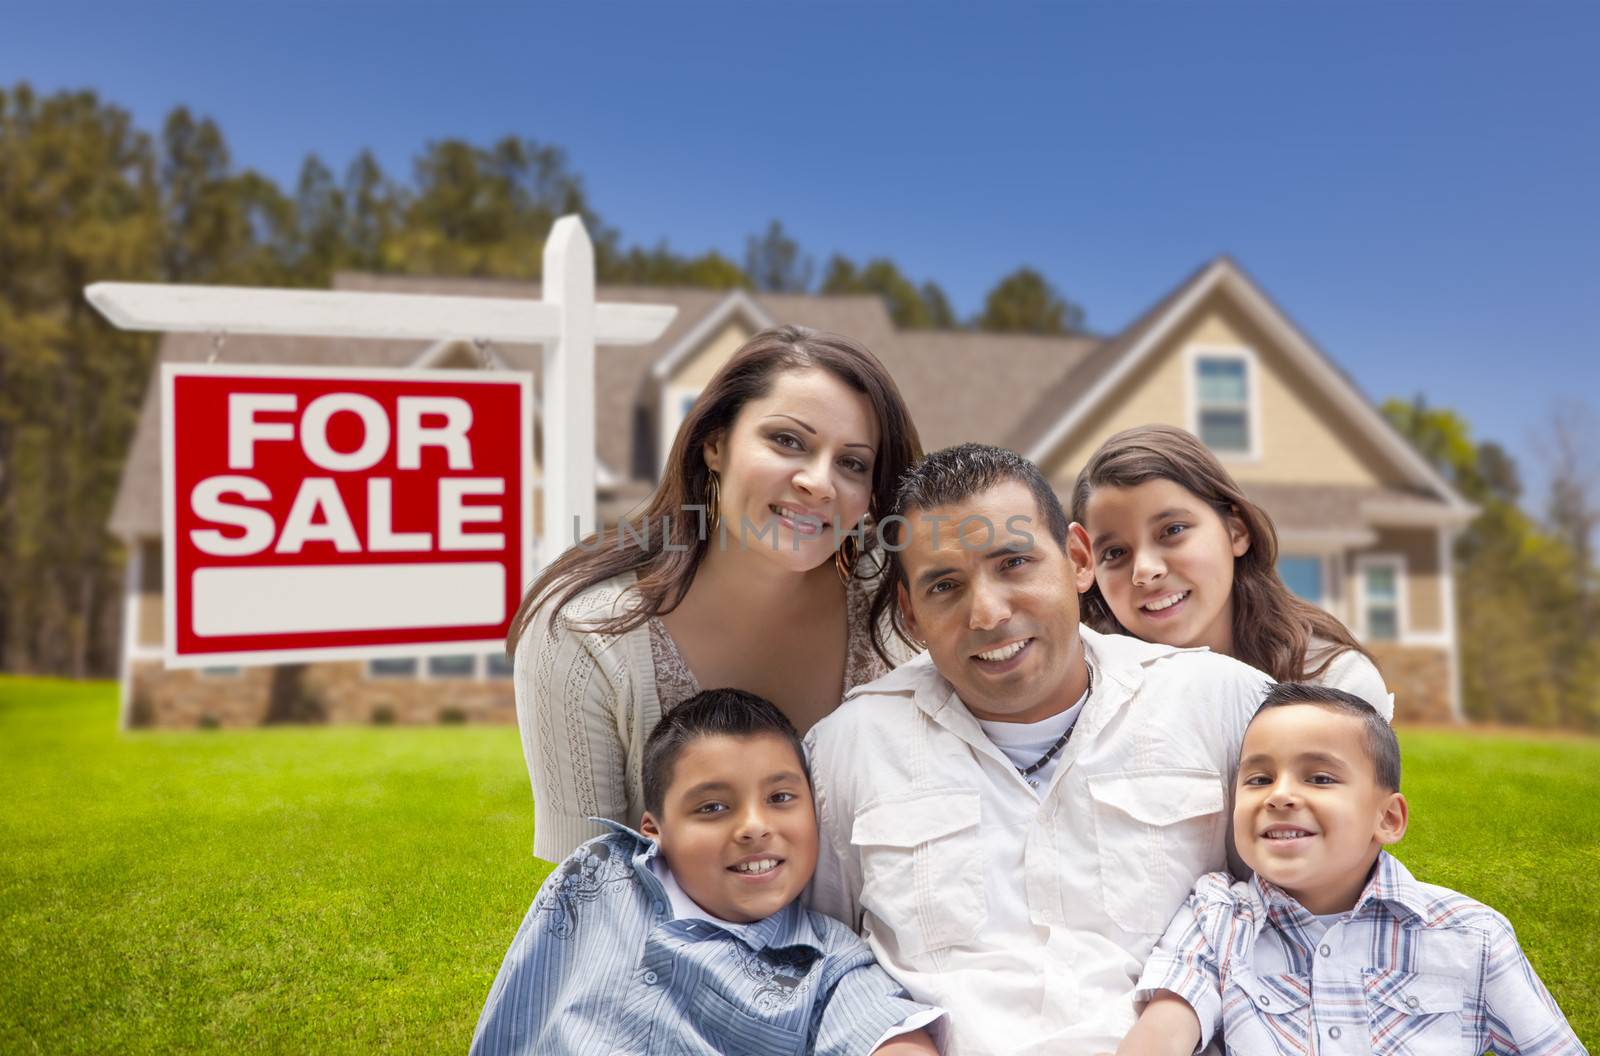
(713, 502)
(849, 552)
(844, 558)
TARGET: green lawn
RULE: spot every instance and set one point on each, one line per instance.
(353, 890)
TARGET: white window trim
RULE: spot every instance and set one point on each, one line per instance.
(672, 416)
(1401, 589)
(1193, 354)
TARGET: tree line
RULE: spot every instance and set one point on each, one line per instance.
(86, 195)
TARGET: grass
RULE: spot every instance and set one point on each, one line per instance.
(282, 890)
(353, 890)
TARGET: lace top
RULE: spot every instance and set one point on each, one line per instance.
(586, 702)
(676, 683)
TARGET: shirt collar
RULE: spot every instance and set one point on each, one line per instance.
(790, 926)
(1390, 884)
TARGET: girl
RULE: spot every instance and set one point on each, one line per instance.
(742, 572)
(1181, 557)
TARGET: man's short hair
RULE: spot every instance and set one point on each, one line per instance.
(947, 476)
(1383, 748)
(710, 713)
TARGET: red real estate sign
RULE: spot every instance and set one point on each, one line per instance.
(331, 513)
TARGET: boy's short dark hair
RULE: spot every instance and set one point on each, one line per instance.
(954, 473)
(710, 713)
(1383, 748)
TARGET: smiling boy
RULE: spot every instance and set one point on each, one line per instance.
(689, 938)
(1333, 947)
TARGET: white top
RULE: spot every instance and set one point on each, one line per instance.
(1029, 916)
(1353, 673)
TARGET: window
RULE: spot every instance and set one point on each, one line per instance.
(393, 667)
(464, 666)
(1382, 580)
(498, 666)
(1222, 417)
(1303, 576)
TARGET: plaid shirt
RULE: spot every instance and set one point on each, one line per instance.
(1413, 968)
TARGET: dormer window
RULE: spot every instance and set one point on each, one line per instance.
(1224, 387)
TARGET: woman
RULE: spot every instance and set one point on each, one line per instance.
(1181, 557)
(742, 572)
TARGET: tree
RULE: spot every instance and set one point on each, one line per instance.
(1525, 653)
(910, 308)
(775, 263)
(484, 212)
(78, 202)
(1025, 302)
(1568, 445)
(662, 267)
(371, 212)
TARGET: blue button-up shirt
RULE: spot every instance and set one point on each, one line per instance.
(1413, 968)
(601, 966)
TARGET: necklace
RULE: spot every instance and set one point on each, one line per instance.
(1061, 742)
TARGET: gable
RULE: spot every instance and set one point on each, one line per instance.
(1308, 424)
(1299, 435)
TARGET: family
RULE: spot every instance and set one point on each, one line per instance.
(844, 748)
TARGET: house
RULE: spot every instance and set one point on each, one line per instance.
(1365, 523)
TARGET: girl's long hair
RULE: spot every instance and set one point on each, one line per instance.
(664, 545)
(1272, 628)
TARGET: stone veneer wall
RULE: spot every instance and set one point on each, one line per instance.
(342, 692)
(1420, 679)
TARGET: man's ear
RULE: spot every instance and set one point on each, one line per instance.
(715, 450)
(1392, 822)
(1081, 554)
(907, 618)
(649, 827)
(1238, 534)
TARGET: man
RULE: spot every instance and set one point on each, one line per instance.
(1012, 819)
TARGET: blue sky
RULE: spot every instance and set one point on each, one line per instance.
(1415, 183)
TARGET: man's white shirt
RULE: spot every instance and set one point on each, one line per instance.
(1028, 914)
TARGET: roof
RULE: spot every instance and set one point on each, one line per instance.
(1341, 513)
(961, 385)
(1020, 391)
(1065, 407)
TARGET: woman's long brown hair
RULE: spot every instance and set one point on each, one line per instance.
(664, 545)
(1272, 628)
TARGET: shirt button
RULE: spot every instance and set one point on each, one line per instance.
(1324, 950)
(1334, 1032)
(1265, 1000)
(660, 907)
(650, 980)
(1412, 1002)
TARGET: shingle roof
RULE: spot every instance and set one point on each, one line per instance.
(972, 386)
(1005, 389)
(1334, 509)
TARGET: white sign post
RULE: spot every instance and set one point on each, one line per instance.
(567, 321)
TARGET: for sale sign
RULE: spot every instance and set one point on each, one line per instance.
(328, 513)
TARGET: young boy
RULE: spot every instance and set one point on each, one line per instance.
(1333, 947)
(689, 938)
